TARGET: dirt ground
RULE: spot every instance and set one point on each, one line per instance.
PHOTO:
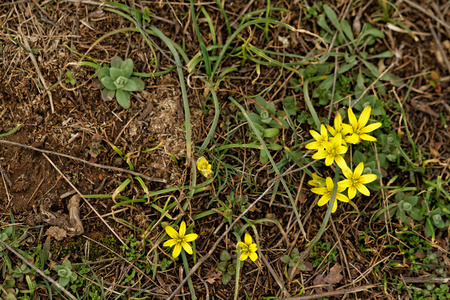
(74, 120)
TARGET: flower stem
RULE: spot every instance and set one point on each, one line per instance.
(186, 270)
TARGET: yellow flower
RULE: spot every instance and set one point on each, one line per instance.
(356, 181)
(317, 180)
(333, 152)
(320, 138)
(338, 128)
(179, 239)
(204, 167)
(358, 128)
(326, 192)
(248, 249)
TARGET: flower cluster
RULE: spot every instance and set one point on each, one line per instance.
(204, 167)
(332, 144)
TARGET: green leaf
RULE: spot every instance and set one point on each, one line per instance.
(275, 147)
(123, 98)
(108, 94)
(415, 214)
(347, 30)
(108, 83)
(263, 157)
(64, 281)
(271, 132)
(332, 16)
(226, 278)
(358, 158)
(116, 62)
(139, 83)
(103, 72)
(225, 256)
(127, 67)
(429, 229)
(323, 23)
(222, 266)
(346, 67)
(385, 54)
(116, 73)
(130, 86)
(286, 259)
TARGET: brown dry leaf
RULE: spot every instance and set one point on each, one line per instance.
(319, 280)
(334, 276)
(212, 277)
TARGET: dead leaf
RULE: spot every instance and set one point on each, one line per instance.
(334, 276)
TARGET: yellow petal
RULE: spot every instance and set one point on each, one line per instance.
(314, 145)
(340, 161)
(171, 232)
(176, 250)
(348, 173)
(253, 248)
(352, 118)
(243, 257)
(242, 245)
(368, 178)
(329, 160)
(341, 197)
(170, 243)
(363, 189)
(248, 239)
(345, 183)
(358, 170)
(315, 134)
(319, 191)
(367, 137)
(351, 192)
(186, 247)
(331, 130)
(341, 150)
(253, 256)
(370, 128)
(190, 237)
(324, 200)
(334, 206)
(321, 154)
(182, 229)
(364, 117)
(329, 183)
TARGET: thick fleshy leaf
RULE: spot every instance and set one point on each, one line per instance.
(116, 73)
(123, 98)
(172, 232)
(127, 67)
(108, 83)
(139, 83)
(176, 250)
(108, 94)
(182, 231)
(186, 247)
(190, 237)
(130, 86)
(104, 71)
(170, 243)
(116, 62)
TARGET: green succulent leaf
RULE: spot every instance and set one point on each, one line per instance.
(120, 82)
(116, 62)
(222, 266)
(116, 73)
(123, 98)
(108, 83)
(130, 86)
(226, 278)
(108, 94)
(103, 72)
(225, 255)
(127, 67)
(63, 281)
(139, 83)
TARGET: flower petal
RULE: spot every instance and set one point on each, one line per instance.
(363, 189)
(186, 247)
(321, 154)
(243, 256)
(315, 134)
(248, 239)
(182, 229)
(171, 232)
(324, 200)
(329, 184)
(340, 161)
(253, 256)
(348, 173)
(352, 118)
(334, 206)
(358, 170)
(367, 137)
(346, 183)
(370, 128)
(364, 117)
(329, 160)
(253, 248)
(351, 192)
(176, 250)
(368, 178)
(170, 243)
(190, 237)
(320, 190)
(341, 197)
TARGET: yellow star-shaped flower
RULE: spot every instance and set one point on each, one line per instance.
(179, 239)
(326, 192)
(333, 152)
(338, 128)
(248, 249)
(317, 180)
(320, 138)
(358, 129)
(356, 181)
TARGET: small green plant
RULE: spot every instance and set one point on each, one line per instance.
(406, 206)
(118, 81)
(320, 251)
(291, 261)
(227, 266)
(65, 273)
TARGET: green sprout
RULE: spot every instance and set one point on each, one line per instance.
(118, 81)
(65, 273)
